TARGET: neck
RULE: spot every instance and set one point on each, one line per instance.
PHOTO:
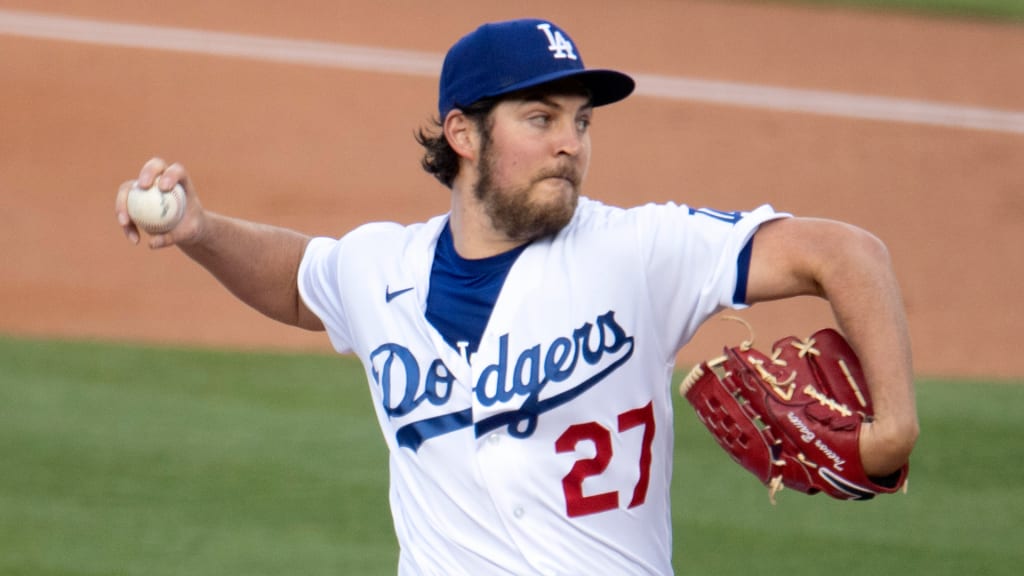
(472, 232)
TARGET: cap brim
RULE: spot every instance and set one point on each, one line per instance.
(605, 86)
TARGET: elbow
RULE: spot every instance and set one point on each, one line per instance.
(890, 447)
(852, 260)
(858, 246)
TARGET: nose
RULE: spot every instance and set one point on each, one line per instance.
(570, 140)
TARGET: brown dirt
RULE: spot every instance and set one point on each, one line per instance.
(322, 150)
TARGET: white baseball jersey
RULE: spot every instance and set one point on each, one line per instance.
(550, 452)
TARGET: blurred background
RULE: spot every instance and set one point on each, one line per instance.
(301, 114)
(150, 424)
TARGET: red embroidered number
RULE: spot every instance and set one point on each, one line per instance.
(576, 503)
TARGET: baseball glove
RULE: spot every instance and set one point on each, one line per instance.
(791, 417)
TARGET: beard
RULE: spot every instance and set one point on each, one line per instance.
(511, 209)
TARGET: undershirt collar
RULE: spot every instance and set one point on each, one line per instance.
(463, 291)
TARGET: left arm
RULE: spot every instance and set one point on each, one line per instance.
(851, 269)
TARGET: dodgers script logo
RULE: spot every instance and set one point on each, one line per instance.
(591, 353)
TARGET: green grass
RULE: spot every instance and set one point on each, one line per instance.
(128, 460)
(1010, 10)
(146, 461)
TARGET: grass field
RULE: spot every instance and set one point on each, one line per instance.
(128, 460)
(1011, 10)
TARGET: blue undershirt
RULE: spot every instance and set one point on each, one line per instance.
(463, 292)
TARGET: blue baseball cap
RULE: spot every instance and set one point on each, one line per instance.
(503, 57)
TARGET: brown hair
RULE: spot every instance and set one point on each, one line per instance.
(439, 159)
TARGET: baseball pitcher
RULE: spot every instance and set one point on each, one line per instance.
(519, 348)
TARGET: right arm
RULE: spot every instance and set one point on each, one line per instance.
(257, 263)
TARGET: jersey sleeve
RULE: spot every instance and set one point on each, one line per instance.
(696, 261)
(319, 282)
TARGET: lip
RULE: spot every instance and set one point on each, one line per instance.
(565, 179)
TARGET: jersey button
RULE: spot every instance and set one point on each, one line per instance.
(494, 438)
(519, 512)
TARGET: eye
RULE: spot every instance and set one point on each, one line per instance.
(540, 119)
(582, 124)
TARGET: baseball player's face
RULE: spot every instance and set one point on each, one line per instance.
(533, 159)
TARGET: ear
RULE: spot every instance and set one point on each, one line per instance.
(461, 134)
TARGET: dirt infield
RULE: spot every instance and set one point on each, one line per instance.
(323, 149)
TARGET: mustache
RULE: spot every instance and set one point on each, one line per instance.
(564, 171)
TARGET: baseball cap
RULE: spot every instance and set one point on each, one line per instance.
(503, 57)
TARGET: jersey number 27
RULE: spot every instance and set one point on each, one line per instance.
(576, 503)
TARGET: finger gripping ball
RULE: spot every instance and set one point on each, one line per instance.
(155, 211)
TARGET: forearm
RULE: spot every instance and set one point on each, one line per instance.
(852, 270)
(255, 262)
(862, 289)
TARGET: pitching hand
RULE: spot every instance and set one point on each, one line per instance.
(156, 170)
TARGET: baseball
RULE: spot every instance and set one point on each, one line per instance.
(156, 211)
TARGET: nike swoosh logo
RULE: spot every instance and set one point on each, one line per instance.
(389, 295)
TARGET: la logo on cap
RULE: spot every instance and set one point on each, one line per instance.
(557, 43)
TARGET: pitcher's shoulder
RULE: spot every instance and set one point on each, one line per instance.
(395, 234)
